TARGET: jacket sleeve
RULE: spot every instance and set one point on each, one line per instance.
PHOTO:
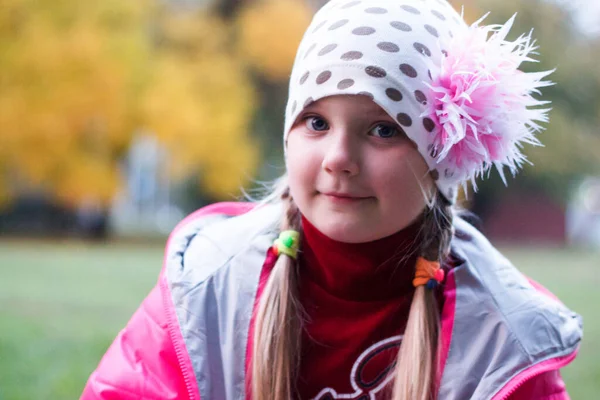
(546, 386)
(142, 362)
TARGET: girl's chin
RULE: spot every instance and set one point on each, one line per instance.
(348, 231)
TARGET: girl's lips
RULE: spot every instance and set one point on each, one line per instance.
(344, 198)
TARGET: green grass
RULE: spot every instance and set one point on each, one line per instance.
(60, 308)
(62, 304)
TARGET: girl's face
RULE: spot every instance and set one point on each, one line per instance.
(353, 172)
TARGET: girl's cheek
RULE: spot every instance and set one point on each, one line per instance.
(295, 156)
(300, 148)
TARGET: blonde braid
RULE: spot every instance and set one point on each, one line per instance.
(276, 349)
(417, 372)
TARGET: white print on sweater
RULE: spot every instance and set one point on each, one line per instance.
(366, 389)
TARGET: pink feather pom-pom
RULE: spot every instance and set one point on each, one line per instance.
(482, 104)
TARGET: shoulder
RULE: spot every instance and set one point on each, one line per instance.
(527, 307)
(500, 319)
(211, 273)
(207, 239)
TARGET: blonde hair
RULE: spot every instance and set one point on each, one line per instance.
(278, 322)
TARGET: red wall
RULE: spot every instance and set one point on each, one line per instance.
(526, 219)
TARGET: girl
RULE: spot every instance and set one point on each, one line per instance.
(355, 278)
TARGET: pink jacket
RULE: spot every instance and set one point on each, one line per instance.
(153, 357)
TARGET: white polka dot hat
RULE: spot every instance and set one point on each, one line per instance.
(454, 89)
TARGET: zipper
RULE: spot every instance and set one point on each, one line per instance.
(548, 365)
(177, 345)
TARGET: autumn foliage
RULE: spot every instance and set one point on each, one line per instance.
(79, 79)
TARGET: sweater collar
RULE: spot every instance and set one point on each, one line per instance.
(374, 271)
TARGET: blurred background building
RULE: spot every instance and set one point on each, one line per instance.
(118, 118)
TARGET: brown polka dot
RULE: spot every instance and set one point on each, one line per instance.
(327, 49)
(401, 26)
(421, 48)
(363, 31)
(428, 124)
(435, 175)
(393, 94)
(375, 72)
(404, 119)
(369, 95)
(345, 84)
(304, 77)
(420, 96)
(323, 77)
(308, 102)
(319, 26)
(432, 30)
(408, 70)
(294, 106)
(448, 173)
(310, 49)
(389, 47)
(410, 9)
(338, 24)
(352, 55)
(429, 75)
(376, 10)
(445, 53)
(351, 4)
(438, 14)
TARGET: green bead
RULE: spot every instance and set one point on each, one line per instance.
(288, 241)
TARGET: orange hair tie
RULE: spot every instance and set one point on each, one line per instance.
(428, 273)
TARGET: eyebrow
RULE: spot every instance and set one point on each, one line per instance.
(379, 112)
(372, 113)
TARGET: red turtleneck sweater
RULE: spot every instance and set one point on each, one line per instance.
(357, 298)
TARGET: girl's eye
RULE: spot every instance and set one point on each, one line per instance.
(316, 124)
(384, 131)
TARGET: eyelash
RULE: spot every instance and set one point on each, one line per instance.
(311, 118)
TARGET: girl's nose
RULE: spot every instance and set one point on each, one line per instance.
(340, 155)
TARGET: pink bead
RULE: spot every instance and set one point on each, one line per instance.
(439, 275)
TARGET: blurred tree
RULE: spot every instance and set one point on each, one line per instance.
(268, 33)
(69, 75)
(201, 101)
(270, 48)
(79, 78)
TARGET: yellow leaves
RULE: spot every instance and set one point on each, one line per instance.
(193, 34)
(86, 179)
(200, 104)
(63, 91)
(269, 34)
(78, 79)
